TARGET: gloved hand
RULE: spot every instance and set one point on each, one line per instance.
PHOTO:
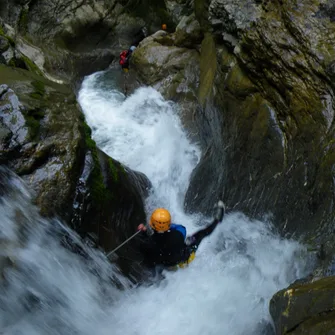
(142, 227)
(220, 211)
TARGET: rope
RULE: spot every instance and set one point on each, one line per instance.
(127, 240)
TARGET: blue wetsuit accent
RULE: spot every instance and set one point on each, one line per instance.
(179, 228)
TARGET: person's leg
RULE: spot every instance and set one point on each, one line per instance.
(194, 240)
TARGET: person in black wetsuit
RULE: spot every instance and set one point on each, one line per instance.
(165, 244)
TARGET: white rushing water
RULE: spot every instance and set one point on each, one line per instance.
(225, 290)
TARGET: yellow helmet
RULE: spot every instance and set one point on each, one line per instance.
(160, 220)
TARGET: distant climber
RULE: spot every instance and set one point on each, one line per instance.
(125, 57)
(165, 244)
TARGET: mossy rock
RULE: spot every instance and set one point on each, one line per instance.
(51, 148)
(201, 13)
(53, 160)
(302, 308)
(239, 83)
(30, 65)
(4, 44)
(208, 65)
(8, 38)
(154, 62)
(188, 32)
(23, 20)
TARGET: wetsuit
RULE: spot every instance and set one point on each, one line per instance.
(170, 248)
(194, 240)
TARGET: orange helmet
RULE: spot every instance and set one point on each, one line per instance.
(160, 220)
(163, 26)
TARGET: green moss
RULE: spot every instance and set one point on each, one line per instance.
(31, 66)
(100, 193)
(227, 60)
(39, 89)
(12, 62)
(114, 170)
(10, 40)
(207, 68)
(33, 117)
(166, 40)
(201, 13)
(25, 63)
(23, 20)
(238, 82)
(90, 143)
(33, 127)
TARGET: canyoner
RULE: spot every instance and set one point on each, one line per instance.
(165, 245)
(125, 58)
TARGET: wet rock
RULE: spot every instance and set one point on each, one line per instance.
(266, 121)
(179, 8)
(8, 55)
(108, 206)
(4, 44)
(172, 70)
(77, 38)
(12, 117)
(47, 142)
(45, 138)
(267, 128)
(305, 308)
(231, 15)
(188, 32)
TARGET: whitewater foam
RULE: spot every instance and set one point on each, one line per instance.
(225, 290)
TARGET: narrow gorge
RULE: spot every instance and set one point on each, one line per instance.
(234, 101)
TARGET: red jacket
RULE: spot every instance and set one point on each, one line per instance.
(123, 57)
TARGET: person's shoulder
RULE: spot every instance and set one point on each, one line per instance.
(178, 227)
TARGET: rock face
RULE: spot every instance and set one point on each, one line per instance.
(262, 106)
(76, 38)
(305, 308)
(166, 62)
(267, 96)
(45, 140)
(43, 136)
(254, 80)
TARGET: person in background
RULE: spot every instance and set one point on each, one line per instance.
(125, 57)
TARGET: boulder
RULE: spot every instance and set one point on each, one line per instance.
(266, 121)
(305, 308)
(172, 70)
(45, 140)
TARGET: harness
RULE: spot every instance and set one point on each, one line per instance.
(184, 264)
